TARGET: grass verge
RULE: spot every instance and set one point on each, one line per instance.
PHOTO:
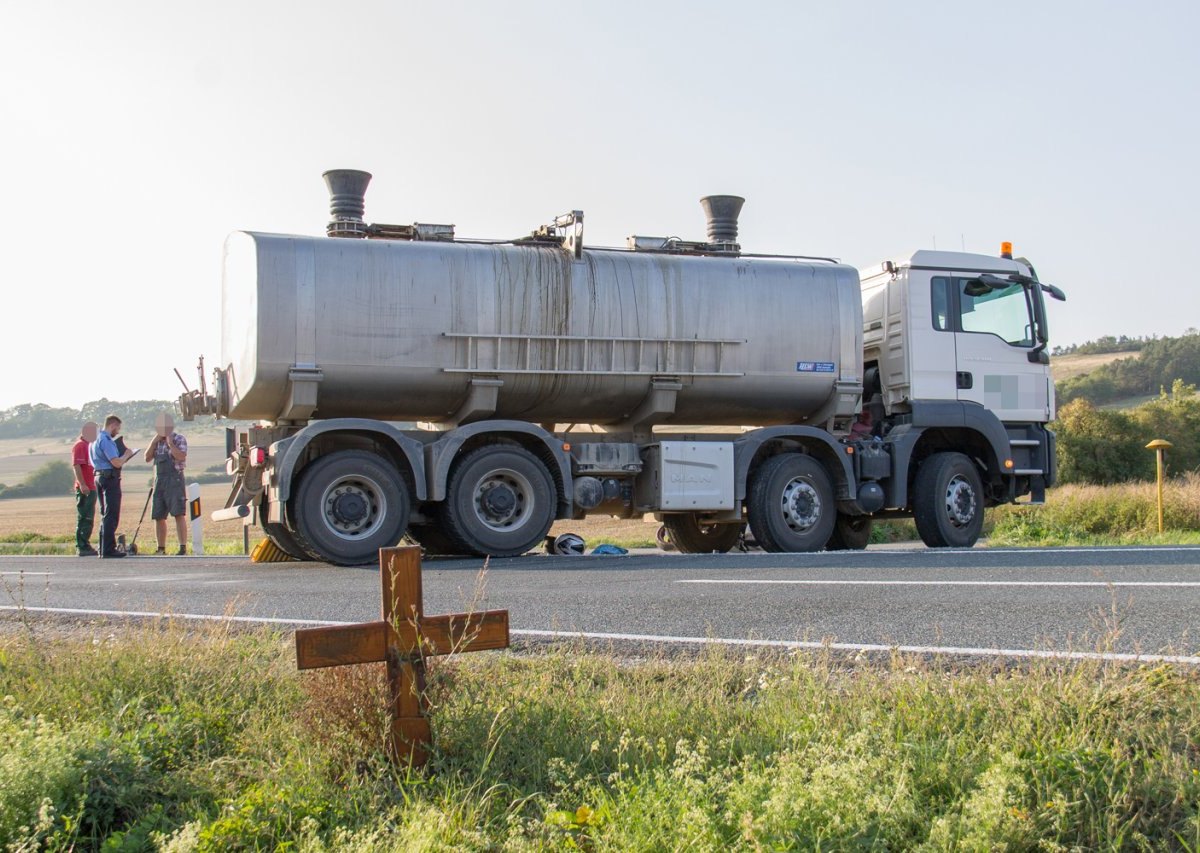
(1126, 514)
(185, 739)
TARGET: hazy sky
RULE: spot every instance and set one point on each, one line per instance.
(135, 136)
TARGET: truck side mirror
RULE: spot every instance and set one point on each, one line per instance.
(1054, 292)
(976, 287)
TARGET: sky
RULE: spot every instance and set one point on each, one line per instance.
(134, 136)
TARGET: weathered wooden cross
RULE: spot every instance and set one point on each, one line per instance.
(403, 639)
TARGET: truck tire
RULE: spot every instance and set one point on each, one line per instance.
(349, 504)
(692, 536)
(791, 504)
(433, 540)
(850, 533)
(948, 495)
(285, 540)
(500, 502)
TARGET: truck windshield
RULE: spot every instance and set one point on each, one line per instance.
(1005, 313)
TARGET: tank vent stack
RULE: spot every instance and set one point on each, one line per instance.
(722, 212)
(347, 187)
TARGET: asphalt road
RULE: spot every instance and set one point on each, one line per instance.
(1025, 602)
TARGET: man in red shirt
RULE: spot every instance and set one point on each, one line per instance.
(85, 490)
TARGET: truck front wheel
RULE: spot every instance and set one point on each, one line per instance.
(689, 533)
(791, 504)
(349, 504)
(949, 501)
(500, 502)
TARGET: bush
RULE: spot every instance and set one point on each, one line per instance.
(54, 478)
(38, 778)
(1102, 446)
(1099, 446)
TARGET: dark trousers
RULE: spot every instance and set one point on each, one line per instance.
(109, 487)
(85, 518)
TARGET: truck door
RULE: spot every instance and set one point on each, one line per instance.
(995, 334)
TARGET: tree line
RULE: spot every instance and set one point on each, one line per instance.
(37, 420)
(1158, 364)
(1104, 344)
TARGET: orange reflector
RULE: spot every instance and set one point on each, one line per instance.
(849, 449)
(1008, 463)
(566, 447)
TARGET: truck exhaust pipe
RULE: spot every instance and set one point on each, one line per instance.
(721, 213)
(347, 187)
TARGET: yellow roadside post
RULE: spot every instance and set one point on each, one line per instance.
(1160, 447)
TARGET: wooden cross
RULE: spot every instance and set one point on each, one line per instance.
(403, 639)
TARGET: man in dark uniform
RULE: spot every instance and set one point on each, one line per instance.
(168, 452)
(108, 462)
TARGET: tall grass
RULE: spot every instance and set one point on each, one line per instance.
(208, 740)
(1086, 515)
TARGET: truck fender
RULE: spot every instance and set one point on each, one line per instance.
(288, 452)
(440, 455)
(745, 448)
(940, 414)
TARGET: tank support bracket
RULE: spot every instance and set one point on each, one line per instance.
(302, 392)
(481, 402)
(658, 404)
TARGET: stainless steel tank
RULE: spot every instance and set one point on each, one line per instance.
(448, 332)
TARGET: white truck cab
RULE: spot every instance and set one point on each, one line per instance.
(955, 362)
(938, 331)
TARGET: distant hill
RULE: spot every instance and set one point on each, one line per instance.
(1064, 367)
(1109, 378)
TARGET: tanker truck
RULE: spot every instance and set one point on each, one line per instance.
(467, 393)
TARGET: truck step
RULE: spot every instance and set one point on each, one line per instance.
(1024, 442)
(1028, 472)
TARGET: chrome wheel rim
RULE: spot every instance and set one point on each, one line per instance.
(801, 505)
(354, 507)
(503, 500)
(960, 501)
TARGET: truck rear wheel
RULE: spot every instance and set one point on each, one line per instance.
(948, 495)
(691, 535)
(285, 540)
(500, 502)
(791, 504)
(348, 505)
(850, 533)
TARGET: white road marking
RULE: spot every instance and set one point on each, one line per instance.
(26, 573)
(846, 582)
(873, 647)
(1189, 660)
